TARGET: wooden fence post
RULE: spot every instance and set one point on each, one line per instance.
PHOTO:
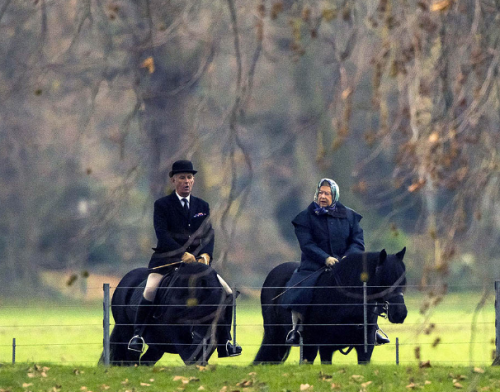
(496, 361)
(105, 324)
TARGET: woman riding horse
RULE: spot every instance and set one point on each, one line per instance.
(327, 231)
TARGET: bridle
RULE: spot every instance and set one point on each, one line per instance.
(382, 309)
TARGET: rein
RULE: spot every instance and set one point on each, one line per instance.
(296, 284)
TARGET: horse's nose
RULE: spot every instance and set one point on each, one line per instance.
(397, 313)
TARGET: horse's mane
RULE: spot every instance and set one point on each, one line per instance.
(349, 270)
(190, 285)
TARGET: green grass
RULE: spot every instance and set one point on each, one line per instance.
(71, 334)
(387, 378)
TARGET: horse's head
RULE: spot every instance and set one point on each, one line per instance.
(392, 280)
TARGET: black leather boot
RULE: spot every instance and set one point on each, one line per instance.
(141, 319)
(224, 346)
(381, 337)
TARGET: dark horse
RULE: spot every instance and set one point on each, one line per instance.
(191, 300)
(335, 319)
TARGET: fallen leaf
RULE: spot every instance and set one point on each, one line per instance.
(346, 93)
(416, 186)
(357, 377)
(478, 370)
(149, 63)
(325, 377)
(411, 385)
(145, 384)
(427, 382)
(152, 379)
(201, 388)
(365, 384)
(426, 364)
(26, 385)
(252, 373)
(306, 387)
(440, 5)
(458, 385)
(433, 137)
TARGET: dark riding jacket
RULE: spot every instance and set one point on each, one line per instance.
(178, 232)
(336, 234)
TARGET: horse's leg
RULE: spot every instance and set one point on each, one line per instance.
(364, 358)
(326, 354)
(310, 353)
(119, 355)
(151, 356)
(195, 349)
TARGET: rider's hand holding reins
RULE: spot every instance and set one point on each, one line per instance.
(330, 261)
(188, 258)
(204, 259)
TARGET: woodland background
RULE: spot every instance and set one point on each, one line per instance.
(399, 102)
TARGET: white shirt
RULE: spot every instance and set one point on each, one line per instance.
(187, 197)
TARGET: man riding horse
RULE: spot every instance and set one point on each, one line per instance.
(327, 231)
(185, 235)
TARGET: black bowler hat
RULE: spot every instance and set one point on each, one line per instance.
(182, 167)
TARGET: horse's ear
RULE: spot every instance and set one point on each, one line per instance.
(401, 253)
(382, 256)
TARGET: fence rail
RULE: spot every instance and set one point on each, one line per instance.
(410, 337)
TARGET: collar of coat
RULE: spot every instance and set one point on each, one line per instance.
(339, 212)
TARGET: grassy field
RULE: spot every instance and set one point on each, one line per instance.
(387, 378)
(70, 333)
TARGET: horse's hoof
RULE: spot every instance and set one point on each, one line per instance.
(293, 338)
(230, 350)
(136, 344)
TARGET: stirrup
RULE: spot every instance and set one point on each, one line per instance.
(291, 341)
(131, 348)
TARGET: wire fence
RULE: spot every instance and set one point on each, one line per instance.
(459, 330)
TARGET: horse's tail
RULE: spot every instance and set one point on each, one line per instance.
(273, 349)
(122, 332)
(276, 318)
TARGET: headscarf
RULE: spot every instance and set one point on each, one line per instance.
(334, 188)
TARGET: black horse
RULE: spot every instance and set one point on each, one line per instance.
(335, 319)
(188, 306)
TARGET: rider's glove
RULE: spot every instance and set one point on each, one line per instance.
(188, 258)
(330, 261)
(204, 259)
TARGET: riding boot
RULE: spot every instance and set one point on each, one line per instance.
(140, 324)
(381, 337)
(224, 346)
(293, 337)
